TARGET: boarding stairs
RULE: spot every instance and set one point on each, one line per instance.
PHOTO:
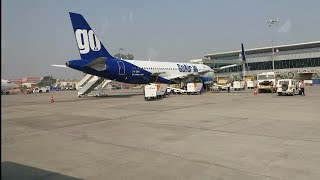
(102, 87)
(83, 81)
(105, 83)
(57, 83)
(89, 83)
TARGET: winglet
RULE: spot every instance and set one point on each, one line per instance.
(243, 56)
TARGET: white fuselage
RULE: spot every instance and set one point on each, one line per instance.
(169, 70)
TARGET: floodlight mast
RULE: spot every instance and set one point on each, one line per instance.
(272, 23)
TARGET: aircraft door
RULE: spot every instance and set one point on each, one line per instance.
(122, 68)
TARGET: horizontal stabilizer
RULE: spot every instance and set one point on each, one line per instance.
(60, 65)
(98, 61)
(98, 64)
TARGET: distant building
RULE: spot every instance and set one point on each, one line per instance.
(27, 81)
(29, 85)
(302, 58)
(16, 81)
(31, 79)
(66, 83)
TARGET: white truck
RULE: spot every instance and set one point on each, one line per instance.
(41, 90)
(238, 85)
(194, 88)
(266, 82)
(287, 87)
(250, 84)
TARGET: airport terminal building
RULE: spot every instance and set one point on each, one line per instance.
(302, 58)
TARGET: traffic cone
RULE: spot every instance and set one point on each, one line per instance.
(255, 92)
(52, 99)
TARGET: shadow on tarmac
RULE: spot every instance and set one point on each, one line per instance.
(15, 171)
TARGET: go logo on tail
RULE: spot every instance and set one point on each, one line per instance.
(87, 40)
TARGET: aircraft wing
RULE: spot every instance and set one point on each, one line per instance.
(204, 72)
(225, 67)
(228, 66)
(97, 64)
(177, 77)
(157, 73)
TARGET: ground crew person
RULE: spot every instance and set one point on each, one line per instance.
(228, 85)
(302, 88)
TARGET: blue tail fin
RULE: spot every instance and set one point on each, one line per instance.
(242, 53)
(89, 45)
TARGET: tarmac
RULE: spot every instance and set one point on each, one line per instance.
(234, 135)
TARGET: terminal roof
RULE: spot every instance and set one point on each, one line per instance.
(315, 44)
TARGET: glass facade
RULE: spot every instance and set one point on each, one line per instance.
(282, 64)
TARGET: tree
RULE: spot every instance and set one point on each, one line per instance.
(315, 76)
(124, 56)
(120, 56)
(234, 77)
(47, 81)
(288, 75)
(130, 56)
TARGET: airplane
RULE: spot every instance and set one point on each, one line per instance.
(6, 85)
(96, 60)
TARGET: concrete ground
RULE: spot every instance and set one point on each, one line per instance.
(222, 135)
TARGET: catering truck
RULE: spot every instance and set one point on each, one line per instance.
(266, 82)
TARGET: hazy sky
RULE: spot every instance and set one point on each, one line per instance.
(38, 33)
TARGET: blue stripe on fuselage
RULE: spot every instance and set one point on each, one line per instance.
(132, 73)
(129, 73)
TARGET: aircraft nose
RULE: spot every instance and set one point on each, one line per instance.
(67, 63)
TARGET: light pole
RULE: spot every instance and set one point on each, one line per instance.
(272, 23)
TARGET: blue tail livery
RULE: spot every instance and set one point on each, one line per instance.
(89, 45)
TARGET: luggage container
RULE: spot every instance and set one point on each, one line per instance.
(155, 91)
(194, 88)
(150, 92)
